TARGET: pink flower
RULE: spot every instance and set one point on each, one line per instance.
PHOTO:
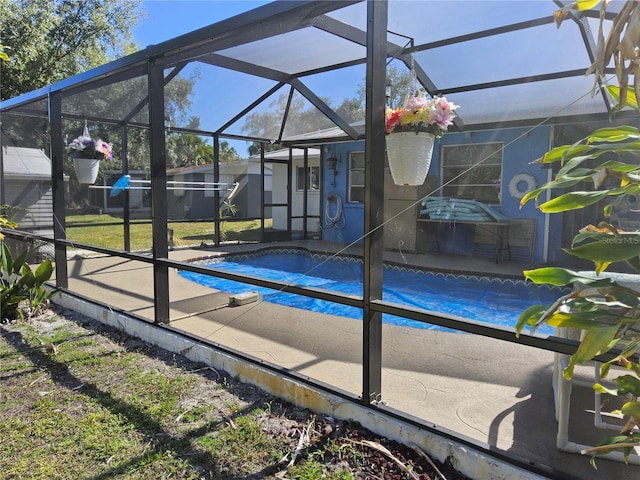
(414, 103)
(443, 112)
(421, 114)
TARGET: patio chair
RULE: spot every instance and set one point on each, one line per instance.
(562, 390)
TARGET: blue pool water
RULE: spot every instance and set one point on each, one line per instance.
(495, 301)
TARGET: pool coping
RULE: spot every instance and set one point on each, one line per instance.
(445, 273)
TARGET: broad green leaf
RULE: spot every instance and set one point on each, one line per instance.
(598, 387)
(7, 260)
(632, 409)
(561, 277)
(584, 321)
(591, 235)
(564, 153)
(614, 134)
(28, 279)
(582, 5)
(574, 162)
(535, 193)
(615, 249)
(529, 317)
(630, 348)
(629, 384)
(614, 91)
(631, 177)
(616, 166)
(565, 181)
(18, 263)
(559, 182)
(634, 262)
(595, 342)
(618, 147)
(43, 272)
(627, 297)
(572, 201)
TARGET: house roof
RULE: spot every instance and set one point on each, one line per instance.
(26, 163)
(208, 167)
(283, 154)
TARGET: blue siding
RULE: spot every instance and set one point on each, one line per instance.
(521, 148)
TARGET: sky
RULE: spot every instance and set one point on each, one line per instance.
(167, 19)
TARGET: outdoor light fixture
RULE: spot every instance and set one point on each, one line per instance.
(332, 164)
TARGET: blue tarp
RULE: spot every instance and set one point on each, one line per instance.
(450, 209)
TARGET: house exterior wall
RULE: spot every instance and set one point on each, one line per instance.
(33, 201)
(521, 147)
(185, 204)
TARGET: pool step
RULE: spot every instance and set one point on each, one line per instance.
(244, 298)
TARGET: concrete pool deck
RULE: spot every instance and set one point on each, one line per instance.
(492, 392)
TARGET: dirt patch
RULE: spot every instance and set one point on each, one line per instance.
(85, 366)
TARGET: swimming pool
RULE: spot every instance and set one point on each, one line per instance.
(490, 300)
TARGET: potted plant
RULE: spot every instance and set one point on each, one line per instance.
(601, 306)
(87, 153)
(605, 310)
(411, 133)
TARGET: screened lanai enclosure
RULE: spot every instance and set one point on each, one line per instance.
(245, 202)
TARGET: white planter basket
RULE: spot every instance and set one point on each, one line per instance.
(86, 169)
(409, 155)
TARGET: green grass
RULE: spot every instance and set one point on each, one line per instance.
(74, 404)
(101, 234)
(71, 411)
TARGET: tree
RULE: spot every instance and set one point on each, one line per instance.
(227, 152)
(51, 40)
(3, 54)
(267, 124)
(401, 86)
(187, 149)
(300, 119)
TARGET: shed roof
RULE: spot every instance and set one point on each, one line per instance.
(26, 163)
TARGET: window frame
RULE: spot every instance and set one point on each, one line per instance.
(482, 162)
(351, 185)
(300, 176)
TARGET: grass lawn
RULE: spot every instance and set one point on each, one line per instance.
(101, 233)
(80, 400)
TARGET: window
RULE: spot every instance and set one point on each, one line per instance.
(225, 185)
(356, 177)
(472, 172)
(208, 189)
(312, 178)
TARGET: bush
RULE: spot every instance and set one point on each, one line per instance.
(22, 290)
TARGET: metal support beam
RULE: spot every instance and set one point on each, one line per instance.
(57, 188)
(216, 192)
(158, 192)
(307, 184)
(126, 211)
(374, 197)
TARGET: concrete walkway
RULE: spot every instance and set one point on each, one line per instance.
(492, 392)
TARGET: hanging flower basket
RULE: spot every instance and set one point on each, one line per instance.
(411, 132)
(409, 155)
(86, 169)
(86, 154)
